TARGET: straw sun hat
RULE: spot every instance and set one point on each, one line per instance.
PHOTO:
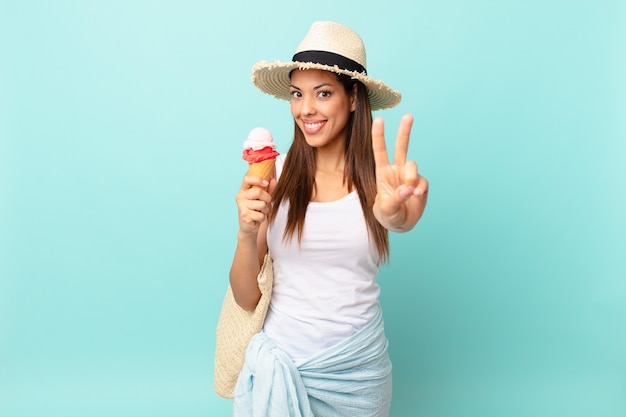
(327, 46)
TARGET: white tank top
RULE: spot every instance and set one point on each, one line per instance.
(325, 288)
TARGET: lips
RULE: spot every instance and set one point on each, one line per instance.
(311, 128)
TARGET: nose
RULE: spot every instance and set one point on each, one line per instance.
(308, 105)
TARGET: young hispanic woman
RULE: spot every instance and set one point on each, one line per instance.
(324, 218)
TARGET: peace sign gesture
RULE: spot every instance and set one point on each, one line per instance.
(402, 191)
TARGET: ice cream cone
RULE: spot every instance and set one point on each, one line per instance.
(259, 150)
(262, 169)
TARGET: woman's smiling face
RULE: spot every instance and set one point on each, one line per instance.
(320, 106)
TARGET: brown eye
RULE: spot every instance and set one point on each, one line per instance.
(324, 94)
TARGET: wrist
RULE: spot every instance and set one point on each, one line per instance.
(244, 236)
(393, 223)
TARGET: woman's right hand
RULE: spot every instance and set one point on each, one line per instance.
(253, 203)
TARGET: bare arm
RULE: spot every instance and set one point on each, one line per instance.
(253, 204)
(245, 269)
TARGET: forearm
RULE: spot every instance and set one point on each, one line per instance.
(244, 271)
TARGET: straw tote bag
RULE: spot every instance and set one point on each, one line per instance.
(235, 328)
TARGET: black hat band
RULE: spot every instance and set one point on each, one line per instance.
(331, 59)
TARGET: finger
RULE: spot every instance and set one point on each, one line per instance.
(252, 191)
(402, 140)
(253, 209)
(411, 176)
(378, 143)
(253, 217)
(422, 187)
(272, 186)
(258, 194)
(396, 199)
(258, 205)
(253, 199)
(250, 181)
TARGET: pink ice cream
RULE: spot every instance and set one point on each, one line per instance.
(259, 146)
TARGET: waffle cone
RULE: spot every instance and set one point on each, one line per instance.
(262, 169)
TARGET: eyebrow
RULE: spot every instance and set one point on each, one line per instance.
(317, 87)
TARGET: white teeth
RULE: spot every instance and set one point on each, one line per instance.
(313, 125)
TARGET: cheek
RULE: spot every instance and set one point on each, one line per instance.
(294, 109)
(343, 114)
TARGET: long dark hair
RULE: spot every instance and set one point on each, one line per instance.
(297, 180)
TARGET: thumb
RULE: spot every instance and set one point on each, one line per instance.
(395, 200)
(272, 186)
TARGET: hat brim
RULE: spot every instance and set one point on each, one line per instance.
(273, 78)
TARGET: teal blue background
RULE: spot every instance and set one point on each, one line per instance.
(121, 125)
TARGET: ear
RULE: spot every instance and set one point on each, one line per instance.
(353, 98)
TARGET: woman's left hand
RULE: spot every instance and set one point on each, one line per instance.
(402, 191)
